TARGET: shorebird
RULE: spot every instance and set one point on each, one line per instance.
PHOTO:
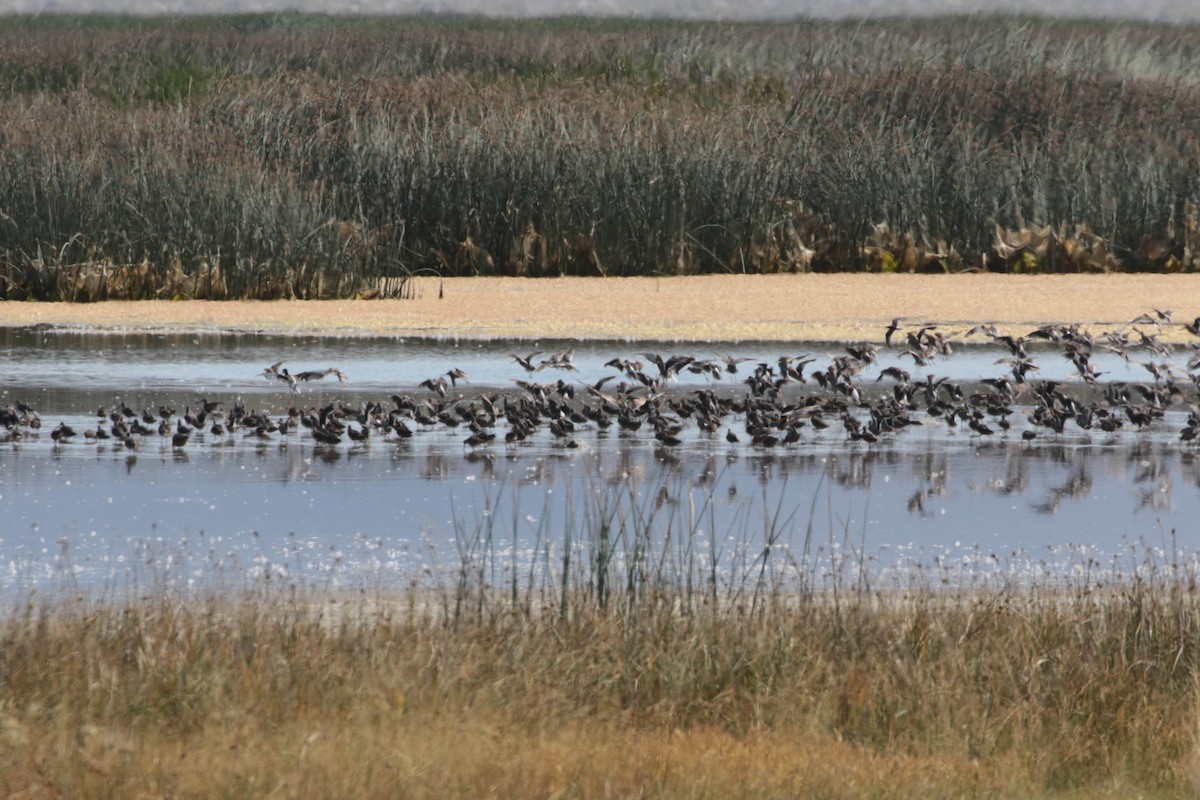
(320, 374)
(774, 413)
(325, 436)
(290, 380)
(731, 362)
(900, 375)
(1157, 318)
(62, 433)
(559, 361)
(479, 439)
(437, 385)
(527, 362)
(891, 331)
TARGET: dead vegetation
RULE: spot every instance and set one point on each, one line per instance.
(1008, 692)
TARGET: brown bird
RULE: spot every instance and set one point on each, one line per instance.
(527, 362)
(437, 384)
(319, 374)
(325, 436)
(731, 362)
(479, 439)
(62, 433)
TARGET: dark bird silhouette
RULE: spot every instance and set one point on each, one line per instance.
(437, 385)
(979, 427)
(325, 436)
(527, 362)
(320, 374)
(667, 439)
(479, 439)
(731, 362)
(62, 433)
(891, 331)
(1156, 318)
(894, 372)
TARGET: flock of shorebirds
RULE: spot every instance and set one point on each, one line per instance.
(782, 402)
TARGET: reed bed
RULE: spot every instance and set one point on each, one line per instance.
(1006, 694)
(293, 156)
(624, 658)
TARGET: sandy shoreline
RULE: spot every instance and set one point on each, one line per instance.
(708, 308)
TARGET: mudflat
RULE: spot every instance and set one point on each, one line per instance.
(705, 308)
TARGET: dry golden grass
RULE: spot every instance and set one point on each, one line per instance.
(708, 308)
(440, 758)
(1018, 694)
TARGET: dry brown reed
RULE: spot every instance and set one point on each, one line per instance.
(1010, 693)
(281, 156)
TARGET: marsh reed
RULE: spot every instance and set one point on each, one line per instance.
(292, 156)
(623, 654)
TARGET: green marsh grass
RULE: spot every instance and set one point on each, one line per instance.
(285, 155)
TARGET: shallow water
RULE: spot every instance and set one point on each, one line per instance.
(931, 500)
(163, 367)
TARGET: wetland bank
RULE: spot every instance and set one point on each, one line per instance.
(776, 661)
(165, 636)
